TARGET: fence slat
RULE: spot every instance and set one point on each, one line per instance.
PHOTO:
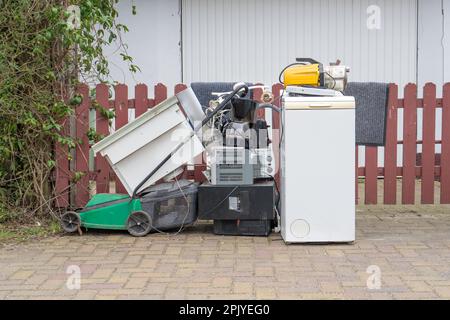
(62, 170)
(121, 109)
(140, 99)
(409, 144)
(370, 194)
(428, 147)
(82, 149)
(390, 148)
(445, 153)
(179, 87)
(102, 127)
(160, 93)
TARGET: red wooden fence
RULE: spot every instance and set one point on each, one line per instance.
(428, 167)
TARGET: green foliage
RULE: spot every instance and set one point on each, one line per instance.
(77, 176)
(45, 50)
(104, 112)
(94, 136)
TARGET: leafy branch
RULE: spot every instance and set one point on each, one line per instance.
(46, 49)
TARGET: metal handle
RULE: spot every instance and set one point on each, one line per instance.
(327, 105)
(307, 60)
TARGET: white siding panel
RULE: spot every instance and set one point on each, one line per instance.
(434, 43)
(446, 39)
(153, 42)
(252, 40)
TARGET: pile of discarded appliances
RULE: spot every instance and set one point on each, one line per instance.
(241, 194)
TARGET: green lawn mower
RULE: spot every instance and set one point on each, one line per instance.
(109, 211)
(161, 207)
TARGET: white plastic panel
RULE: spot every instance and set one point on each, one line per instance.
(132, 169)
(144, 134)
(318, 175)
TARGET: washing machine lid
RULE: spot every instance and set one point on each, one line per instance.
(318, 103)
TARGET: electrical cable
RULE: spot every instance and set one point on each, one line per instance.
(220, 108)
(278, 218)
(268, 106)
(221, 201)
(334, 80)
(288, 66)
(184, 219)
(281, 126)
(276, 188)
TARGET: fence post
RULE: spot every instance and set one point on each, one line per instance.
(390, 148)
(409, 144)
(445, 153)
(428, 137)
(121, 111)
(82, 149)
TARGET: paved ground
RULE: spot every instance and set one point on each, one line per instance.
(410, 246)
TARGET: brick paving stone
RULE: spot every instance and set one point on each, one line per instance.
(412, 252)
(443, 292)
(334, 287)
(103, 273)
(419, 286)
(266, 293)
(263, 271)
(243, 287)
(222, 282)
(136, 283)
(22, 275)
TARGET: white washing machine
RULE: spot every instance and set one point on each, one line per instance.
(318, 169)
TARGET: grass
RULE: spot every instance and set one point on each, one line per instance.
(17, 225)
(12, 232)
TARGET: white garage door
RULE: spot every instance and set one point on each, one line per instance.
(251, 40)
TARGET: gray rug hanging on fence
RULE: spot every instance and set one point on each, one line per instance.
(203, 90)
(371, 111)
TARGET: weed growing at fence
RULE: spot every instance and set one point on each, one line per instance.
(46, 48)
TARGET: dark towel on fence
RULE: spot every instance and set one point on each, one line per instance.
(203, 90)
(371, 110)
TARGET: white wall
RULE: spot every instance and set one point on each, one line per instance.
(252, 40)
(433, 42)
(433, 61)
(284, 29)
(446, 39)
(153, 42)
